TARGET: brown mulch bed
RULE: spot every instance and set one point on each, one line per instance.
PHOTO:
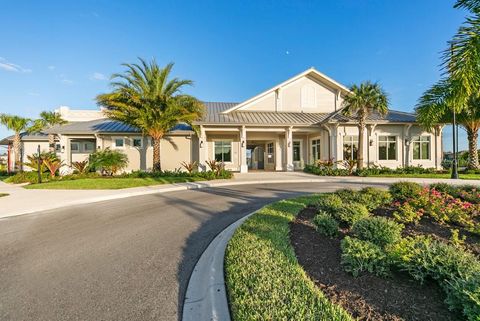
(366, 297)
(442, 232)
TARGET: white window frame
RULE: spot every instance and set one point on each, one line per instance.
(350, 142)
(231, 148)
(318, 148)
(114, 142)
(419, 141)
(300, 141)
(396, 147)
(88, 150)
(133, 142)
(78, 147)
(271, 154)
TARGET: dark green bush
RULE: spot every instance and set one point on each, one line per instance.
(456, 270)
(379, 230)
(363, 256)
(403, 191)
(350, 213)
(347, 195)
(325, 224)
(108, 161)
(26, 177)
(329, 202)
(374, 197)
(325, 171)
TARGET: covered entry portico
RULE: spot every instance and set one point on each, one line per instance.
(245, 148)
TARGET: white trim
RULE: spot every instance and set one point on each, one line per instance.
(231, 148)
(306, 72)
(397, 150)
(78, 147)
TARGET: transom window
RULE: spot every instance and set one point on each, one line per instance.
(387, 147)
(421, 147)
(223, 151)
(119, 142)
(137, 142)
(296, 151)
(350, 147)
(88, 146)
(316, 149)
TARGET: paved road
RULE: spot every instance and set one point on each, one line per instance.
(128, 259)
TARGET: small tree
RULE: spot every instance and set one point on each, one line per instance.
(360, 103)
(47, 120)
(18, 125)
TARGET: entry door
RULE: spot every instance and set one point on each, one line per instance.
(260, 153)
(297, 154)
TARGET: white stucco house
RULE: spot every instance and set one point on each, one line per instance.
(294, 123)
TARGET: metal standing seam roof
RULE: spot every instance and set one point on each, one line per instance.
(103, 125)
(214, 115)
(40, 136)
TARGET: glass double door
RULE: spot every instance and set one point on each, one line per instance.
(256, 156)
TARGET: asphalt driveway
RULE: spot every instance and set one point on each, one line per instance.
(128, 259)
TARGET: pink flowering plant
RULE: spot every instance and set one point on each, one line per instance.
(441, 206)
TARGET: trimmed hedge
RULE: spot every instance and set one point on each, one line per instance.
(379, 230)
(326, 224)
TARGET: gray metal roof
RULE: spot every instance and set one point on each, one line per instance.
(103, 125)
(214, 115)
(40, 136)
(393, 116)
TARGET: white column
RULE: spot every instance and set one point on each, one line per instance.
(278, 155)
(439, 145)
(243, 150)
(203, 150)
(289, 149)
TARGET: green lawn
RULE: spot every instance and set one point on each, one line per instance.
(264, 279)
(433, 175)
(110, 182)
(3, 194)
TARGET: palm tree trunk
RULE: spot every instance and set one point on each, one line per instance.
(16, 150)
(51, 143)
(472, 134)
(157, 167)
(361, 131)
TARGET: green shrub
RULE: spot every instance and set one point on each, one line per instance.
(456, 270)
(406, 213)
(374, 197)
(108, 161)
(325, 171)
(347, 195)
(363, 256)
(403, 191)
(26, 177)
(326, 224)
(350, 213)
(329, 202)
(379, 230)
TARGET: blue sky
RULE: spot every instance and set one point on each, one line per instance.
(62, 52)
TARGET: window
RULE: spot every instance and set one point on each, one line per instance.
(74, 147)
(58, 148)
(387, 148)
(421, 147)
(270, 153)
(296, 151)
(316, 149)
(350, 147)
(137, 142)
(119, 143)
(89, 147)
(223, 151)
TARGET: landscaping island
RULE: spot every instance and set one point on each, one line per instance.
(408, 254)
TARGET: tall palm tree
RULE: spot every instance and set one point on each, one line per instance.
(144, 96)
(436, 107)
(18, 125)
(364, 99)
(47, 120)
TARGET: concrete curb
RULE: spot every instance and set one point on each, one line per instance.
(206, 295)
(198, 185)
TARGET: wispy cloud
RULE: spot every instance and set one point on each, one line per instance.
(98, 76)
(65, 80)
(9, 66)
(51, 67)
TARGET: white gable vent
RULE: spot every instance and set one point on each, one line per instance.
(308, 97)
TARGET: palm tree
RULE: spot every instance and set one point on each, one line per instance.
(48, 119)
(144, 96)
(18, 125)
(361, 102)
(436, 107)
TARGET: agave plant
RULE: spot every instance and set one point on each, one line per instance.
(80, 167)
(215, 166)
(53, 163)
(190, 166)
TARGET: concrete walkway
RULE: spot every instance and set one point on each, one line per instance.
(24, 201)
